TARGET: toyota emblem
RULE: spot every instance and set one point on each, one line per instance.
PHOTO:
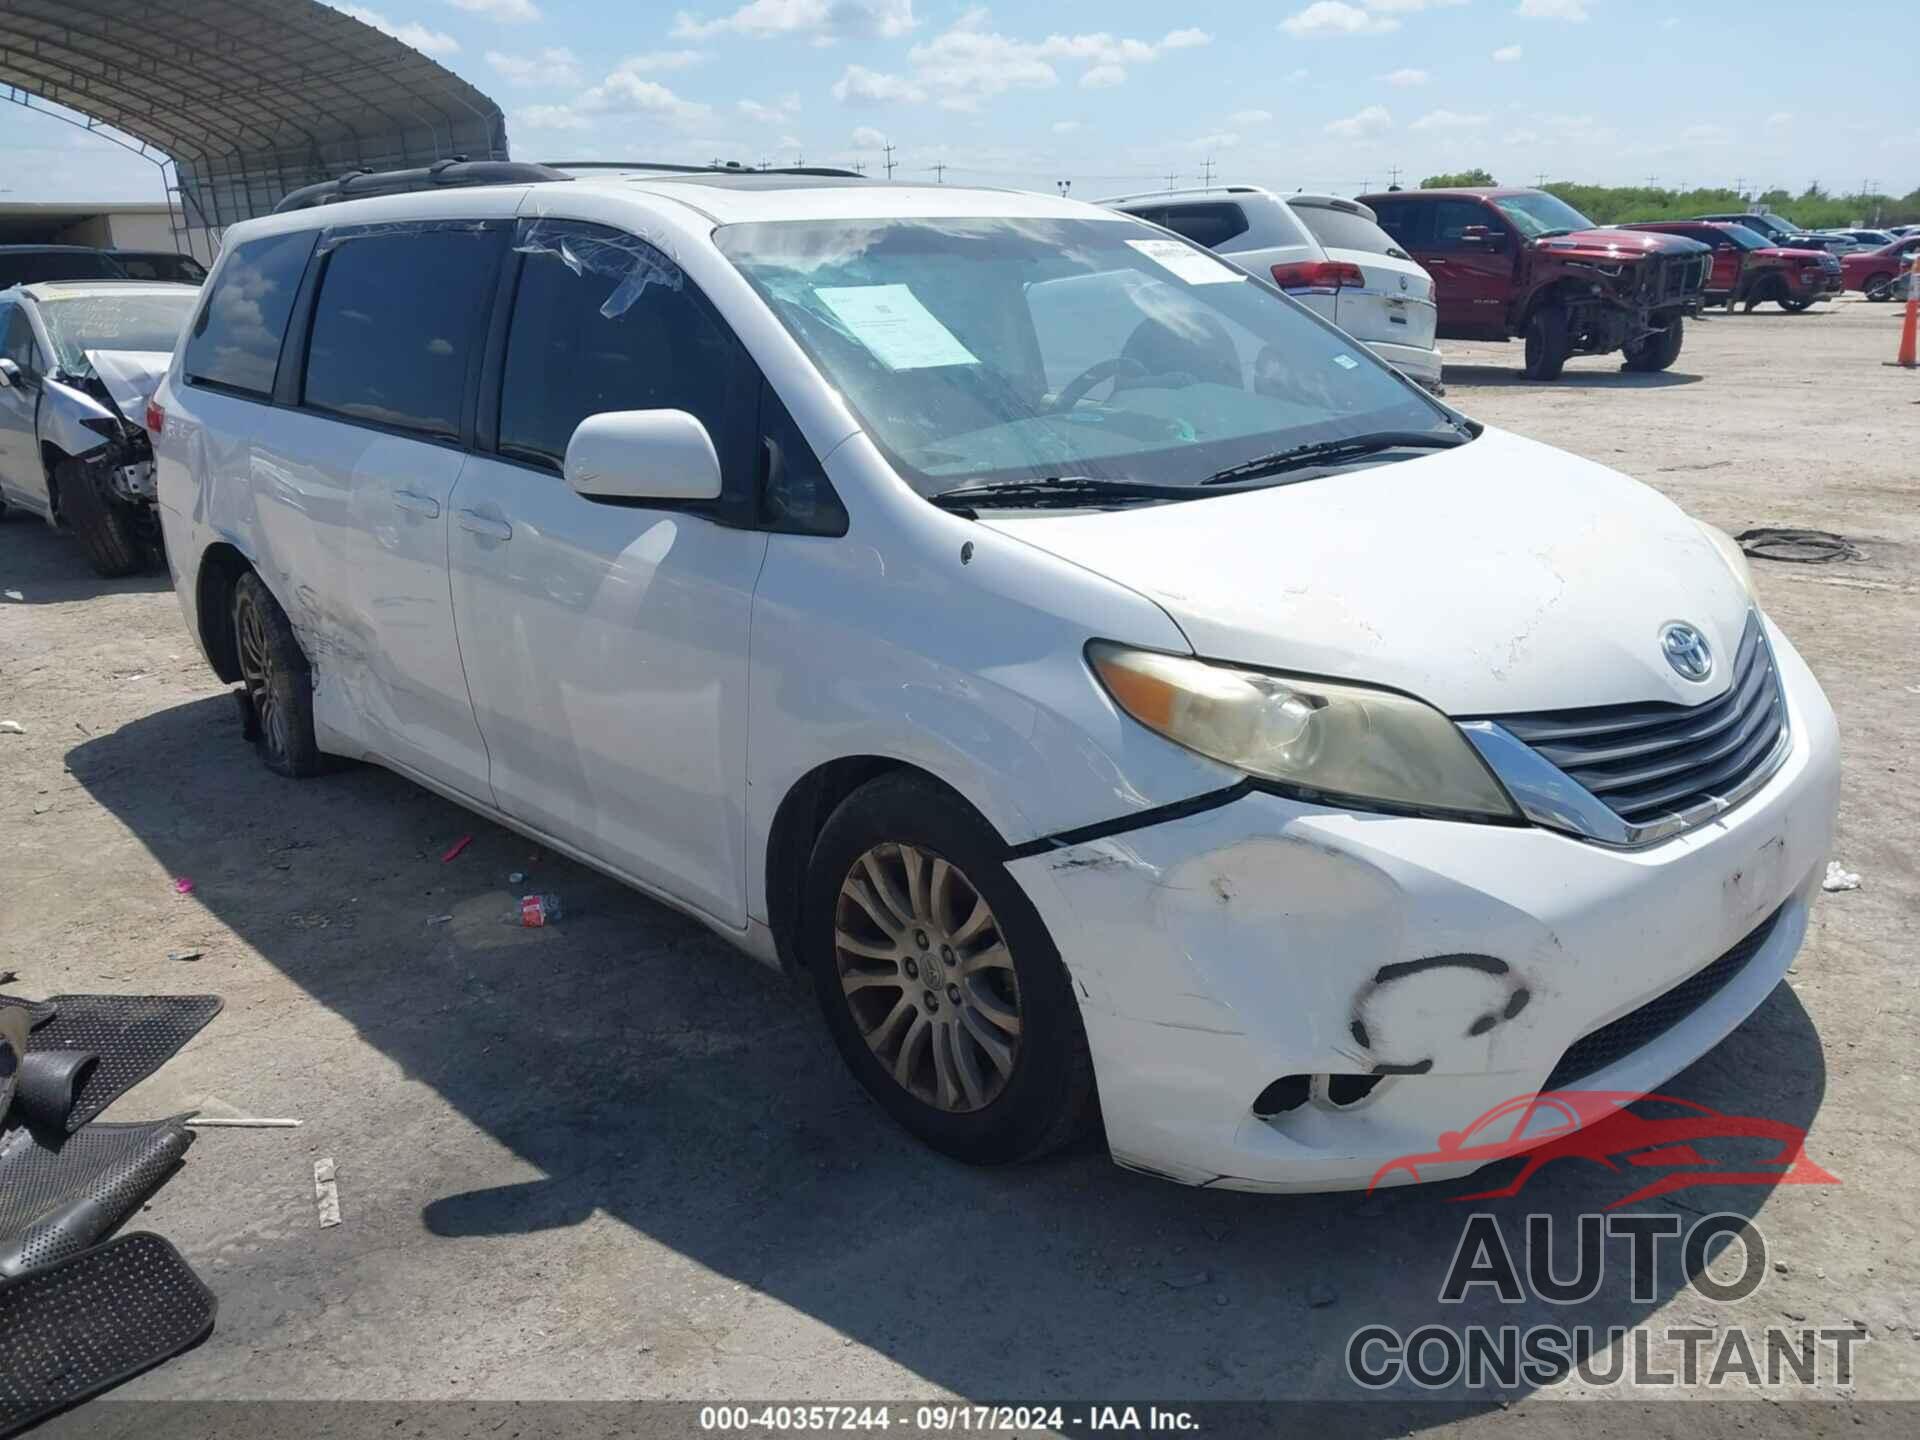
(1686, 650)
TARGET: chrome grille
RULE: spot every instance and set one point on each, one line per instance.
(1662, 768)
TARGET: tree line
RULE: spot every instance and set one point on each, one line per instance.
(1812, 209)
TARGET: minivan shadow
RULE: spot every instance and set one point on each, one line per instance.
(1470, 374)
(652, 1075)
(48, 567)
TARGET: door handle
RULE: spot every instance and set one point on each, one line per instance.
(485, 525)
(419, 504)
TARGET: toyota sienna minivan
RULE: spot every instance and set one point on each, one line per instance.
(1122, 696)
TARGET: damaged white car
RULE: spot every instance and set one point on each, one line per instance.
(78, 361)
(1123, 696)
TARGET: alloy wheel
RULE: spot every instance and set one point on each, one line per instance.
(927, 975)
(258, 672)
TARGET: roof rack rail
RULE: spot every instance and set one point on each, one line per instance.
(730, 167)
(358, 184)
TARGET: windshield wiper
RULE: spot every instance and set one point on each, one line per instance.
(1549, 234)
(1057, 488)
(1322, 450)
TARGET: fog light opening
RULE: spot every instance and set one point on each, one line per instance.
(1289, 1092)
(1344, 1090)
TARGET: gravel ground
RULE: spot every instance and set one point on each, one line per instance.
(614, 1159)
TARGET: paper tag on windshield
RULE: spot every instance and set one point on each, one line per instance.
(891, 322)
(1196, 267)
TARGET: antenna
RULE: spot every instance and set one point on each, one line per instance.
(890, 160)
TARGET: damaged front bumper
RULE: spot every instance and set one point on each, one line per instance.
(1451, 965)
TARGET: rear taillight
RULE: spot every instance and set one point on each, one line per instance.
(156, 418)
(1319, 275)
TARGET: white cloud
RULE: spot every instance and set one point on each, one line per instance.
(1065, 127)
(1335, 17)
(868, 138)
(427, 42)
(1573, 10)
(1408, 7)
(779, 113)
(555, 66)
(1447, 120)
(1221, 140)
(1406, 79)
(824, 20)
(1296, 77)
(1362, 125)
(1507, 55)
(551, 117)
(858, 85)
(970, 62)
(626, 92)
(508, 12)
(1779, 118)
(1706, 135)
(1251, 117)
(661, 60)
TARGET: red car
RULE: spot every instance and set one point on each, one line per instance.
(1597, 1125)
(1874, 271)
(1748, 267)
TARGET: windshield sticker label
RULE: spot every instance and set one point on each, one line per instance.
(891, 322)
(1346, 362)
(1196, 267)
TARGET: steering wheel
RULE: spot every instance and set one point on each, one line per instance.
(1076, 389)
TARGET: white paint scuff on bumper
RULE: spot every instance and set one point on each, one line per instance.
(1216, 953)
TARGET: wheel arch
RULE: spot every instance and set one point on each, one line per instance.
(52, 457)
(221, 566)
(797, 823)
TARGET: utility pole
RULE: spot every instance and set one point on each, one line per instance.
(1063, 186)
(939, 172)
(1540, 179)
(1393, 177)
(1171, 177)
(1206, 171)
(1740, 185)
(859, 167)
(890, 161)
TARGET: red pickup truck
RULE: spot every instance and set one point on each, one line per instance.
(1509, 263)
(1747, 268)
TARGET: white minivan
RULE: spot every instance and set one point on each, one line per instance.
(1118, 693)
(1328, 252)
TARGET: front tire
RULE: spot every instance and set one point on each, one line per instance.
(107, 529)
(1548, 344)
(1658, 350)
(1794, 304)
(938, 980)
(1878, 287)
(278, 679)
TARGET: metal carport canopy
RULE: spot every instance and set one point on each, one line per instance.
(249, 98)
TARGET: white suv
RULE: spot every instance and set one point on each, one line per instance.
(1325, 251)
(1094, 671)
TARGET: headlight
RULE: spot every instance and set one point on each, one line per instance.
(1344, 742)
(1730, 552)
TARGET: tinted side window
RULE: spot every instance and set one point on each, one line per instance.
(603, 321)
(235, 340)
(18, 342)
(1206, 224)
(1452, 217)
(397, 322)
(1401, 220)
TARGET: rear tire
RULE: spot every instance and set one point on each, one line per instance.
(107, 529)
(1548, 344)
(1878, 287)
(937, 979)
(1658, 350)
(278, 680)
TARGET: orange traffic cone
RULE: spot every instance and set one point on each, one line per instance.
(1910, 332)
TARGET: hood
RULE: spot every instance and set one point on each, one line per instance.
(1501, 576)
(1799, 256)
(131, 377)
(1601, 243)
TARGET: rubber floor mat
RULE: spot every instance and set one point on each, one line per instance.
(134, 1035)
(74, 1329)
(13, 1045)
(38, 1011)
(60, 1194)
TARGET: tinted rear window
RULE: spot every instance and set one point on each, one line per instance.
(396, 323)
(1205, 224)
(1344, 230)
(235, 343)
(26, 268)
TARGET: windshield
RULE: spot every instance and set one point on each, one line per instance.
(1746, 239)
(1537, 213)
(994, 350)
(114, 322)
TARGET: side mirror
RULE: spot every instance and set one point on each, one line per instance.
(643, 455)
(9, 374)
(1723, 249)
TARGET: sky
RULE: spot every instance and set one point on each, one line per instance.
(1337, 95)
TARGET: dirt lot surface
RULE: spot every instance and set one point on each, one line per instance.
(615, 1159)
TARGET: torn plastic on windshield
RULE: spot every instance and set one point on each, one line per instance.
(632, 262)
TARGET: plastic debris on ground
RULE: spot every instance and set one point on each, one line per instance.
(12, 727)
(535, 911)
(326, 1192)
(240, 1122)
(183, 886)
(1800, 547)
(185, 954)
(453, 850)
(1839, 878)
(439, 919)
